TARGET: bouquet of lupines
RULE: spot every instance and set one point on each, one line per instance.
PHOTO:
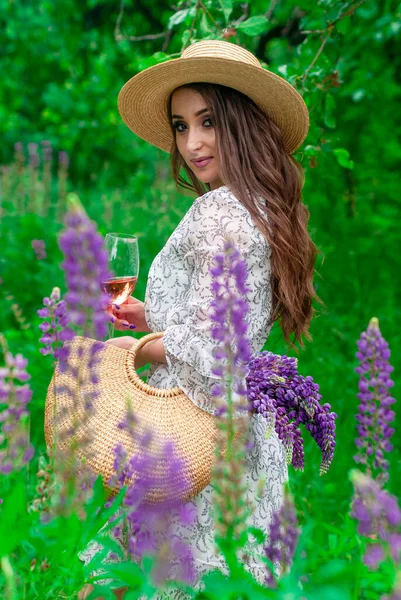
(278, 392)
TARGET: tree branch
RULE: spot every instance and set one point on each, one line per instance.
(331, 24)
(314, 60)
(118, 36)
(272, 6)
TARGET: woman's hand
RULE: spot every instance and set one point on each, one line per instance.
(129, 315)
(126, 342)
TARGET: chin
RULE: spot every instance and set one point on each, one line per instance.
(207, 177)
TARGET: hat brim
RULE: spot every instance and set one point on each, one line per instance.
(142, 101)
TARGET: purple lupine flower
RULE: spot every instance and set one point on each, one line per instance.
(55, 330)
(47, 150)
(282, 537)
(86, 268)
(15, 448)
(277, 391)
(34, 159)
(374, 416)
(39, 249)
(150, 515)
(229, 309)
(379, 516)
(63, 159)
(19, 151)
(232, 355)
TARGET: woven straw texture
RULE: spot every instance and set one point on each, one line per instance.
(143, 100)
(169, 414)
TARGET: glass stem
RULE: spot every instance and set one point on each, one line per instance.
(111, 330)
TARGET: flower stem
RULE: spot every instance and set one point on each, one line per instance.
(9, 576)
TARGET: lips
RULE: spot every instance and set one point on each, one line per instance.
(203, 162)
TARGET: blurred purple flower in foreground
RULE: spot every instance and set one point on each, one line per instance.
(288, 399)
(39, 248)
(379, 517)
(229, 309)
(374, 415)
(283, 537)
(229, 328)
(150, 523)
(15, 448)
(86, 267)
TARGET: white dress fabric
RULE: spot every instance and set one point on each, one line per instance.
(177, 302)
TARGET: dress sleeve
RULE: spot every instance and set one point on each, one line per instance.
(189, 345)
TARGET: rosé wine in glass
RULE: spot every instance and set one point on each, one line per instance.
(119, 288)
(123, 253)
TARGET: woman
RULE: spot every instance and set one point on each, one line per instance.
(231, 126)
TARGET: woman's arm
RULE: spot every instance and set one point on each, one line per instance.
(152, 351)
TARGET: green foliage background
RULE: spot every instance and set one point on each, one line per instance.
(63, 64)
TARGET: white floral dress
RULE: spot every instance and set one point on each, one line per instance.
(177, 302)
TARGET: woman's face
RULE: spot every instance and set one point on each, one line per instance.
(195, 135)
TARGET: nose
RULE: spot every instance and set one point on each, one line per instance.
(194, 139)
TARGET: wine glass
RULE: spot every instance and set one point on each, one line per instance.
(123, 253)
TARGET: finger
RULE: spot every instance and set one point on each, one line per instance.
(114, 341)
(132, 300)
(123, 325)
(116, 313)
(126, 313)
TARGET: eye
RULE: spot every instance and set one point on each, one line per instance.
(178, 124)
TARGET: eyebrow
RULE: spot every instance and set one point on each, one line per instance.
(196, 114)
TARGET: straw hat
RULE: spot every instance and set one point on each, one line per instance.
(143, 100)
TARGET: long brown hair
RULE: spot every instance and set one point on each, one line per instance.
(262, 176)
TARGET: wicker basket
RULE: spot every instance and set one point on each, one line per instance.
(169, 414)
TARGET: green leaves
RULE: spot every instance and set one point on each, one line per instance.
(258, 534)
(227, 7)
(178, 18)
(254, 25)
(329, 105)
(343, 159)
(14, 519)
(205, 25)
(150, 61)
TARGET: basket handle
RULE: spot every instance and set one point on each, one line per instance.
(137, 381)
(144, 340)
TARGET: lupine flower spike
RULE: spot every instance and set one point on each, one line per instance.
(83, 310)
(375, 415)
(39, 249)
(86, 267)
(229, 309)
(149, 523)
(278, 392)
(55, 331)
(379, 517)
(283, 537)
(15, 448)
